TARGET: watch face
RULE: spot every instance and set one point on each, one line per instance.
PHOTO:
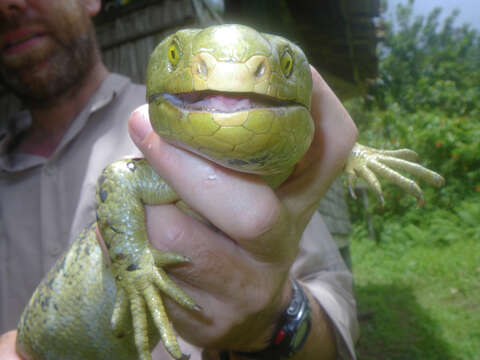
(301, 333)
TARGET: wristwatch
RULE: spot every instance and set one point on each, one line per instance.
(292, 331)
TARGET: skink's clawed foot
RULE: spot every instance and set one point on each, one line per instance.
(368, 163)
(139, 289)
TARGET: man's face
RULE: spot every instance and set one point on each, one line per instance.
(46, 47)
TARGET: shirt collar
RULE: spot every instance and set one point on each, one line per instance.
(113, 85)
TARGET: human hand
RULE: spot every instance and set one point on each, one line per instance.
(240, 263)
(7, 346)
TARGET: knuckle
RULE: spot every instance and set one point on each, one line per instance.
(166, 225)
(263, 217)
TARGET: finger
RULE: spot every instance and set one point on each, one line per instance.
(241, 205)
(213, 254)
(335, 135)
(219, 269)
(100, 241)
(140, 127)
(7, 346)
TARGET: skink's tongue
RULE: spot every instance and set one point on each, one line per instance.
(222, 103)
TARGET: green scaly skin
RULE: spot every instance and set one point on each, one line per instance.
(88, 307)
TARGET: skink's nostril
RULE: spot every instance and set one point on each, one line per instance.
(201, 68)
(260, 69)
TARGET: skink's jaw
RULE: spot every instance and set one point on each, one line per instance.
(216, 102)
(242, 131)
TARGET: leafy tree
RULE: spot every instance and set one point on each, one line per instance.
(427, 98)
(425, 65)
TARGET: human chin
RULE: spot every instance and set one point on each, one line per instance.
(30, 86)
(51, 74)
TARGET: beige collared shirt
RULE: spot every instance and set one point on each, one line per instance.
(44, 204)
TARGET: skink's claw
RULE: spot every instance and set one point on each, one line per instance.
(139, 290)
(368, 163)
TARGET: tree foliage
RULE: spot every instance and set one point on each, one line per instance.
(427, 98)
(430, 66)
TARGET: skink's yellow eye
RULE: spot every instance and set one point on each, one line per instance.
(174, 54)
(286, 62)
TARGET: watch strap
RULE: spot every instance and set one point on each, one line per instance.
(292, 331)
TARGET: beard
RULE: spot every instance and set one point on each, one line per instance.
(56, 69)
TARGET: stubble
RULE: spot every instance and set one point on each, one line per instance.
(56, 69)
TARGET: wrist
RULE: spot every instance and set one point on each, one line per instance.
(263, 323)
(291, 330)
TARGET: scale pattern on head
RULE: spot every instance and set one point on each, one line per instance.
(193, 60)
(234, 60)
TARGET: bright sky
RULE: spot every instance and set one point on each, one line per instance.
(469, 9)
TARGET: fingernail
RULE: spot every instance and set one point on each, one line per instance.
(140, 125)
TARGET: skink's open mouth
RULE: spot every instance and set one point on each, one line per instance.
(211, 101)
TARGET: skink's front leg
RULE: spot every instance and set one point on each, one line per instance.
(123, 190)
(368, 163)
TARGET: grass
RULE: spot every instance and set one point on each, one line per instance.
(417, 300)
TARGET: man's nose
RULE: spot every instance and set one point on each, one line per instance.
(11, 7)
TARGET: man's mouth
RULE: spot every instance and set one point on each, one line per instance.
(211, 101)
(18, 40)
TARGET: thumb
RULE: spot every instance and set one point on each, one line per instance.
(139, 126)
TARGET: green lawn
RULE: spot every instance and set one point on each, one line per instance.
(418, 301)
